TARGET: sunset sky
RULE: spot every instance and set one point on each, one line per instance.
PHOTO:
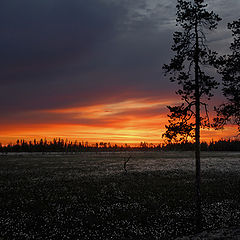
(92, 70)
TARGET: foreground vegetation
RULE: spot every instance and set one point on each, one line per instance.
(56, 197)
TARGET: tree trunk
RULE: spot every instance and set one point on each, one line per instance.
(197, 136)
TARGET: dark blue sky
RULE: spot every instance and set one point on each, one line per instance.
(69, 53)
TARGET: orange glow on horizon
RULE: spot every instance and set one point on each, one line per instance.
(132, 121)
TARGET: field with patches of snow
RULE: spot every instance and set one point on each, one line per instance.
(90, 196)
(105, 163)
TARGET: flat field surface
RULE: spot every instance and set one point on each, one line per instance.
(90, 196)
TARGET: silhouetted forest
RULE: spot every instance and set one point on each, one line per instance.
(61, 145)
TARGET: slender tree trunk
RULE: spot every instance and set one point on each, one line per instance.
(197, 136)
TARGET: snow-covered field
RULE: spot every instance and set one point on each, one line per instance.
(89, 196)
(105, 163)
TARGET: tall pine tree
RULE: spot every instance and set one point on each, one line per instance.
(230, 70)
(188, 69)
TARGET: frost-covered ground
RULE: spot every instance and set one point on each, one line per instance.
(220, 234)
(105, 163)
(89, 195)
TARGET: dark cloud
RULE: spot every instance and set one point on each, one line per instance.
(62, 53)
(39, 37)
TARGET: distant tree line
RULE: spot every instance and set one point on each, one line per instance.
(61, 145)
(220, 145)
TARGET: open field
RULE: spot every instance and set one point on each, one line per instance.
(89, 195)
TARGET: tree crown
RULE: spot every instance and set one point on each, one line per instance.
(190, 61)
